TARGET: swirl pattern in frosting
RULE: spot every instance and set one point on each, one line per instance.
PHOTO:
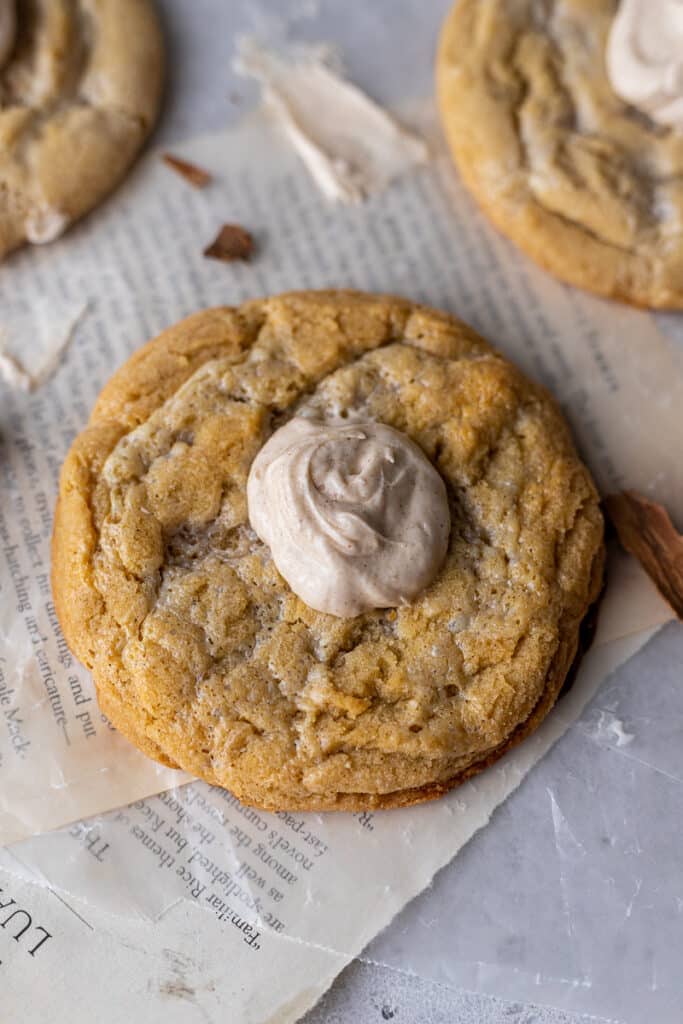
(645, 58)
(354, 514)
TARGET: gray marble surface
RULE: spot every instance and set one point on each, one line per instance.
(601, 908)
(372, 994)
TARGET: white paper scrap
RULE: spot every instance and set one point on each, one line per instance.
(32, 347)
(351, 146)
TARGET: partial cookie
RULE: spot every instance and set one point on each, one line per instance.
(80, 88)
(589, 187)
(201, 653)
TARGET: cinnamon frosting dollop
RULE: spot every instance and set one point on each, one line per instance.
(645, 58)
(355, 515)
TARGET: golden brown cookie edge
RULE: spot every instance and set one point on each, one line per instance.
(544, 237)
(145, 77)
(151, 375)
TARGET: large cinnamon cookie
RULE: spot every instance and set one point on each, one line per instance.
(80, 86)
(202, 654)
(588, 186)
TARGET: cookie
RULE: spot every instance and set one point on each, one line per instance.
(80, 88)
(586, 185)
(201, 653)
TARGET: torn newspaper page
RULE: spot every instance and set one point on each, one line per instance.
(309, 891)
(422, 237)
(287, 899)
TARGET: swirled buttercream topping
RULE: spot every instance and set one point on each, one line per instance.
(645, 58)
(354, 514)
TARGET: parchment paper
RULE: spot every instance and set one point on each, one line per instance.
(285, 900)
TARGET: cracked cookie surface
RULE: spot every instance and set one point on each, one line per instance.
(79, 94)
(585, 184)
(201, 653)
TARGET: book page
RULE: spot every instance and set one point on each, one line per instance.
(286, 899)
(291, 897)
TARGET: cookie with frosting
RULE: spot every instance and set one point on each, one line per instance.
(565, 118)
(80, 88)
(329, 550)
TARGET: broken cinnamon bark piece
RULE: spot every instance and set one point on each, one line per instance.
(646, 531)
(231, 243)
(196, 176)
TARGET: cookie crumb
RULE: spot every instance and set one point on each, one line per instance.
(646, 531)
(231, 243)
(196, 176)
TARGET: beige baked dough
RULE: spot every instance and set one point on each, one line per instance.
(586, 185)
(201, 653)
(79, 94)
